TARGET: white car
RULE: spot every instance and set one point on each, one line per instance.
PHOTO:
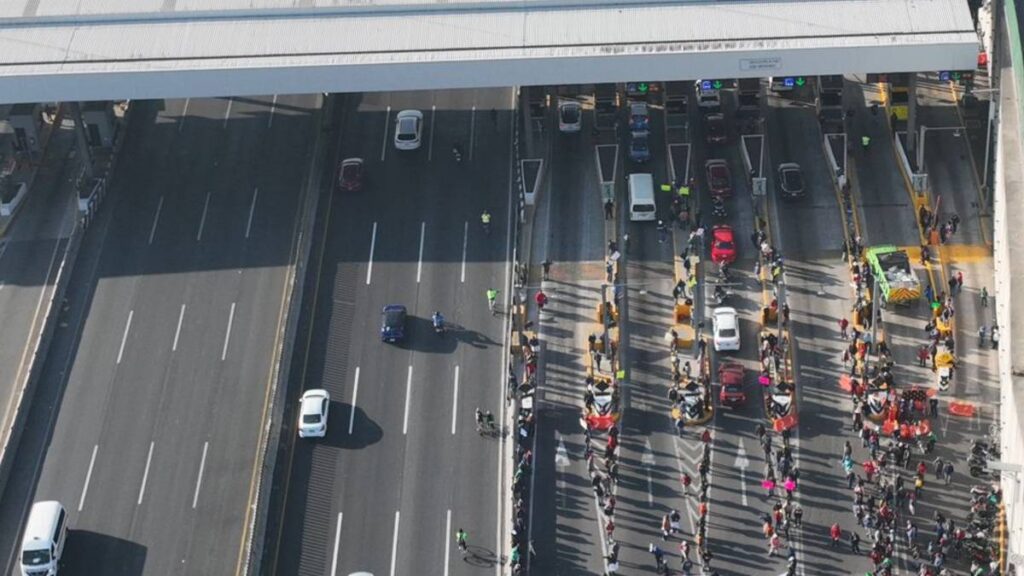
(725, 329)
(570, 116)
(408, 129)
(313, 409)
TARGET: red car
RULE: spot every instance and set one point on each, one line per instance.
(351, 175)
(730, 375)
(719, 178)
(723, 244)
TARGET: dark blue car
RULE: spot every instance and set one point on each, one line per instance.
(392, 326)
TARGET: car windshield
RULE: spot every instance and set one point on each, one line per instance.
(394, 318)
(793, 179)
(640, 143)
(35, 557)
(719, 176)
(350, 171)
(311, 418)
(407, 129)
(570, 114)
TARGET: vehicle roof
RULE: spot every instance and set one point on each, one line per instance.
(40, 522)
(394, 308)
(789, 165)
(350, 161)
(724, 311)
(315, 393)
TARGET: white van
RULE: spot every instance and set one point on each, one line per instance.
(641, 197)
(43, 543)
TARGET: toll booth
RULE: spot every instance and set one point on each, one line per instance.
(100, 125)
(26, 121)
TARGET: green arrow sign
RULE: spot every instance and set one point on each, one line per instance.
(641, 87)
(717, 84)
(800, 81)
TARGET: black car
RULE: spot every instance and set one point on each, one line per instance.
(392, 326)
(790, 180)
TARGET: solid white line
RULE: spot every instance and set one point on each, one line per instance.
(177, 331)
(273, 106)
(124, 337)
(252, 209)
(384, 143)
(430, 144)
(394, 544)
(199, 479)
(419, 265)
(337, 539)
(202, 221)
(373, 244)
(184, 115)
(227, 112)
(455, 398)
(465, 241)
(447, 544)
(472, 131)
(355, 393)
(88, 476)
(156, 218)
(145, 475)
(227, 337)
(408, 395)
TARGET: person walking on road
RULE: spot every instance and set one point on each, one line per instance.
(865, 141)
(545, 268)
(947, 472)
(981, 336)
(854, 542)
(686, 481)
(492, 297)
(461, 539)
(666, 528)
(659, 556)
(844, 325)
(542, 299)
(609, 209)
(995, 337)
(984, 297)
(836, 533)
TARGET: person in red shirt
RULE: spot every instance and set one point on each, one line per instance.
(836, 533)
(542, 299)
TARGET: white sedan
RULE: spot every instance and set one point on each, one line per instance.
(313, 409)
(725, 329)
(408, 129)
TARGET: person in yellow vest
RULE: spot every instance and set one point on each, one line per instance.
(684, 192)
(666, 188)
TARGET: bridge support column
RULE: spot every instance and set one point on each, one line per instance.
(83, 140)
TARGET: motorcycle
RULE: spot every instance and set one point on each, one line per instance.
(457, 153)
(439, 327)
(720, 295)
(718, 208)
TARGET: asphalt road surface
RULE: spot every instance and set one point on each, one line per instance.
(150, 406)
(402, 466)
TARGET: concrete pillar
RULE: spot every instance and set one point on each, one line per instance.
(83, 141)
(912, 118)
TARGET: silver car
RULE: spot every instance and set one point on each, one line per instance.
(313, 410)
(408, 129)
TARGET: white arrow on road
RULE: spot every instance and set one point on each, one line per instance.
(647, 459)
(742, 462)
(561, 463)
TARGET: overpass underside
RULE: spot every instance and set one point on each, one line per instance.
(149, 51)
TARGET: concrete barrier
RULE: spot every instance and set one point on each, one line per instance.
(274, 428)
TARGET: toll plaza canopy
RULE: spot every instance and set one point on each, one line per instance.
(54, 50)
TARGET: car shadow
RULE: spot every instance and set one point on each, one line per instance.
(88, 553)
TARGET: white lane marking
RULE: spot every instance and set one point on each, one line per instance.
(3, 250)
(408, 395)
(337, 539)
(88, 476)
(430, 143)
(465, 242)
(199, 479)
(202, 220)
(227, 337)
(252, 209)
(373, 244)
(177, 331)
(394, 544)
(455, 399)
(447, 545)
(124, 337)
(384, 142)
(742, 462)
(184, 115)
(145, 474)
(156, 219)
(647, 459)
(227, 113)
(472, 131)
(355, 393)
(419, 264)
(273, 106)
